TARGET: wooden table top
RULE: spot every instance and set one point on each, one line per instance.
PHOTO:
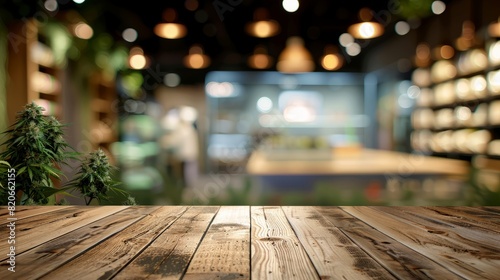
(252, 242)
(359, 162)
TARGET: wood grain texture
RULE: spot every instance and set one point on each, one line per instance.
(224, 251)
(399, 260)
(169, 255)
(458, 256)
(38, 229)
(276, 250)
(23, 212)
(333, 254)
(48, 256)
(243, 242)
(110, 256)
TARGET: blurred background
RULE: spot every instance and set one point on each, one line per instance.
(386, 102)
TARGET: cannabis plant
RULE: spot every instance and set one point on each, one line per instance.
(94, 179)
(35, 148)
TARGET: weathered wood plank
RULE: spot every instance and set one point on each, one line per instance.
(462, 233)
(276, 250)
(169, 255)
(401, 261)
(110, 256)
(23, 212)
(330, 250)
(40, 260)
(459, 226)
(455, 255)
(224, 252)
(472, 215)
(35, 230)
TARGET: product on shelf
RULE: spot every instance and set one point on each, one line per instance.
(494, 112)
(494, 82)
(478, 86)
(42, 54)
(425, 98)
(444, 93)
(444, 118)
(463, 116)
(443, 70)
(478, 141)
(494, 54)
(420, 139)
(460, 138)
(463, 90)
(44, 83)
(494, 148)
(480, 115)
(472, 61)
(421, 77)
(442, 142)
(423, 118)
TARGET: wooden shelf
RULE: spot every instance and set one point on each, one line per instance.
(427, 120)
(33, 73)
(104, 116)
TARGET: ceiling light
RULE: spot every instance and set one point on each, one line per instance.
(466, 40)
(83, 31)
(291, 5)
(50, 5)
(260, 59)
(262, 26)
(366, 29)
(438, 7)
(494, 29)
(331, 60)
(345, 39)
(353, 49)
(196, 59)
(129, 35)
(402, 28)
(78, 1)
(136, 59)
(170, 30)
(295, 57)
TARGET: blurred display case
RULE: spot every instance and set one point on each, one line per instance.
(284, 116)
(457, 113)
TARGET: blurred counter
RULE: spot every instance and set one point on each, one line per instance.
(354, 161)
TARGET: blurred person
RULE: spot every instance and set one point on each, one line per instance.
(182, 144)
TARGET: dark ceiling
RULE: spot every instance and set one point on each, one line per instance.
(218, 26)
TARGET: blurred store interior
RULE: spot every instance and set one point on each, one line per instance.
(295, 102)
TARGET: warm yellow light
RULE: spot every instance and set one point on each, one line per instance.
(331, 62)
(444, 52)
(494, 29)
(263, 28)
(170, 30)
(83, 31)
(260, 59)
(137, 61)
(196, 59)
(366, 30)
(295, 57)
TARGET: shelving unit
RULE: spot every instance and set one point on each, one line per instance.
(458, 114)
(34, 75)
(104, 116)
